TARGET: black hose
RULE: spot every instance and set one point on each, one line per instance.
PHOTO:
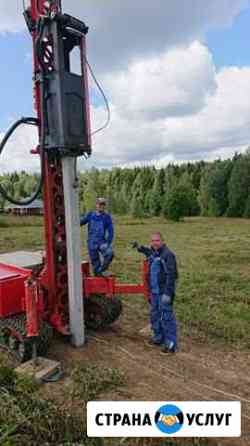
(55, 377)
(3, 192)
(31, 121)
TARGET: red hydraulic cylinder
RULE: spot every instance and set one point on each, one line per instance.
(31, 306)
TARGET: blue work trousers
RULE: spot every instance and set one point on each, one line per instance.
(101, 256)
(163, 321)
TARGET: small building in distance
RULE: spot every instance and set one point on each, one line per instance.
(35, 208)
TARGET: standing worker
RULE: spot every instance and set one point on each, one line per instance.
(100, 237)
(163, 275)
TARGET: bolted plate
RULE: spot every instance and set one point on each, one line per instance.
(40, 371)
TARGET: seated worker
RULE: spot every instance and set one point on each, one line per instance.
(163, 274)
(100, 237)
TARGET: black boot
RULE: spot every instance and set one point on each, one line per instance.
(153, 341)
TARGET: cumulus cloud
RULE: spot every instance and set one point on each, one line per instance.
(161, 114)
(16, 155)
(176, 83)
(207, 125)
(222, 124)
(11, 18)
(167, 100)
(122, 30)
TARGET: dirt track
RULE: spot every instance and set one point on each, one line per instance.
(195, 373)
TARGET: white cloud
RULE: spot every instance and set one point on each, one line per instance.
(155, 125)
(16, 155)
(222, 124)
(121, 30)
(177, 83)
(204, 126)
(167, 100)
(11, 18)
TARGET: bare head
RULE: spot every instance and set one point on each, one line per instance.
(101, 205)
(156, 241)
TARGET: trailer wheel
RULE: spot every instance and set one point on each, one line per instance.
(101, 311)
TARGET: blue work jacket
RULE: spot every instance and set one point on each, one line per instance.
(100, 227)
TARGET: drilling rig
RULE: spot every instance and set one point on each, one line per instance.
(60, 295)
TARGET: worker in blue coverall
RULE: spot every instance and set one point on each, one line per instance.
(163, 275)
(100, 237)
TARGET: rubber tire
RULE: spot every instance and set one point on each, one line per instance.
(101, 311)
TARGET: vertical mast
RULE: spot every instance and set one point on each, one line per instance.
(61, 279)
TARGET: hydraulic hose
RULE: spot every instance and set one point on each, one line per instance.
(25, 202)
(30, 121)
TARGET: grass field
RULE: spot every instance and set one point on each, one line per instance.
(213, 310)
(213, 298)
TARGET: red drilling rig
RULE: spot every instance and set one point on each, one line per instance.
(60, 295)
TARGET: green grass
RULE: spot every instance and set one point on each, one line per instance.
(213, 298)
(27, 417)
(91, 381)
(17, 233)
(212, 305)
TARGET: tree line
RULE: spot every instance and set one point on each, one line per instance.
(214, 189)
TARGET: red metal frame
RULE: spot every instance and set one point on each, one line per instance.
(24, 293)
(54, 278)
(110, 287)
(12, 290)
(45, 294)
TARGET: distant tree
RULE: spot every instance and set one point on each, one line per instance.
(90, 194)
(123, 200)
(239, 186)
(192, 206)
(197, 173)
(156, 194)
(247, 208)
(177, 203)
(137, 202)
(213, 195)
(204, 192)
(212, 189)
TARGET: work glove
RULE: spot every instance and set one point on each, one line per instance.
(166, 300)
(135, 245)
(104, 248)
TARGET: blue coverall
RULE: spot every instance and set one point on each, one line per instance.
(100, 238)
(163, 274)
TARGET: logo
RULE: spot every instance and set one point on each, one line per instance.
(169, 419)
(140, 419)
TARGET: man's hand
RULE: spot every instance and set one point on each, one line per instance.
(104, 246)
(135, 245)
(166, 300)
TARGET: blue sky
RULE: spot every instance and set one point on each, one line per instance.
(231, 46)
(16, 75)
(16, 78)
(173, 93)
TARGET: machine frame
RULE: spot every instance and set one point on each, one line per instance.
(35, 302)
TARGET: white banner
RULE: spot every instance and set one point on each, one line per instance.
(163, 419)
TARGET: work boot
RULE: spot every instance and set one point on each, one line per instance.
(168, 348)
(106, 274)
(98, 274)
(153, 341)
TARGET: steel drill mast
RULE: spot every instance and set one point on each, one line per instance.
(60, 98)
(33, 301)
